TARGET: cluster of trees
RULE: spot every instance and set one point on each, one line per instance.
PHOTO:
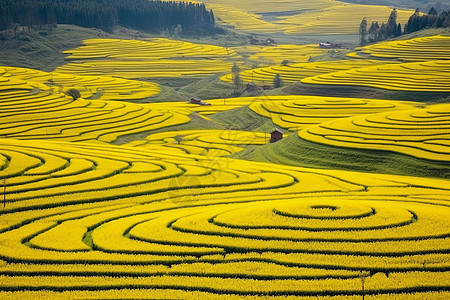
(433, 19)
(393, 29)
(153, 16)
(377, 32)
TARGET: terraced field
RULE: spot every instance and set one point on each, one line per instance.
(94, 87)
(430, 76)
(155, 58)
(172, 216)
(33, 110)
(210, 143)
(333, 19)
(417, 65)
(298, 112)
(353, 204)
(424, 69)
(435, 47)
(298, 71)
(421, 133)
(401, 141)
(85, 220)
(289, 52)
(292, 17)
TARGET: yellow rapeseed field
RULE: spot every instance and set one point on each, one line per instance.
(422, 133)
(298, 112)
(34, 110)
(153, 58)
(417, 64)
(171, 213)
(197, 226)
(429, 76)
(210, 143)
(417, 49)
(95, 87)
(294, 17)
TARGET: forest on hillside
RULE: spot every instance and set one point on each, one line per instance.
(152, 16)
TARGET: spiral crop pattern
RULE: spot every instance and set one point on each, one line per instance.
(89, 220)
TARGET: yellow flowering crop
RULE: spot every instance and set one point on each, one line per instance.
(211, 143)
(429, 76)
(95, 87)
(33, 110)
(417, 49)
(292, 53)
(297, 112)
(154, 58)
(306, 17)
(297, 71)
(158, 220)
(421, 133)
(173, 216)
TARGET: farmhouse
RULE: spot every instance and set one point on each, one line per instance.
(269, 42)
(254, 41)
(198, 101)
(266, 42)
(251, 87)
(276, 135)
(329, 45)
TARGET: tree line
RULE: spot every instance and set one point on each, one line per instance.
(152, 16)
(392, 29)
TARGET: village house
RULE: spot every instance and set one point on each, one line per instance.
(266, 42)
(329, 45)
(195, 100)
(276, 135)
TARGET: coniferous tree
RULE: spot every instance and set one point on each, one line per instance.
(413, 22)
(443, 19)
(363, 31)
(418, 22)
(237, 82)
(278, 81)
(382, 33)
(432, 17)
(154, 16)
(399, 30)
(391, 25)
(373, 31)
(6, 19)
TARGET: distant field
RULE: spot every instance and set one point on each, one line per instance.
(94, 87)
(430, 76)
(435, 47)
(155, 58)
(324, 17)
(276, 54)
(425, 70)
(418, 64)
(296, 72)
